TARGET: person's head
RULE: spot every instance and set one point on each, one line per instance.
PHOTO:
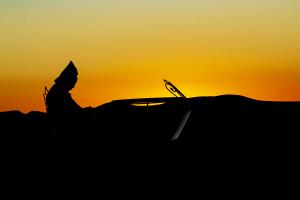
(68, 78)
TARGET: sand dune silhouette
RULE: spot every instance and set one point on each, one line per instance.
(217, 131)
(225, 119)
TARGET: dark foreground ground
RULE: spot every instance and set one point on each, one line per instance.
(226, 139)
(221, 124)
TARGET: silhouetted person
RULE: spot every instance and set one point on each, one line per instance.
(63, 111)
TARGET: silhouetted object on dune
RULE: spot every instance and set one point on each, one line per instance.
(65, 115)
(59, 100)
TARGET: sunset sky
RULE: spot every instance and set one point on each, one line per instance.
(125, 48)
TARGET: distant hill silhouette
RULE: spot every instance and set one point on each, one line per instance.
(220, 121)
(223, 135)
(18, 124)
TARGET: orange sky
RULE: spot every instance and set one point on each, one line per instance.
(124, 49)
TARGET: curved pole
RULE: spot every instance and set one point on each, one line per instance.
(174, 90)
(181, 125)
(185, 118)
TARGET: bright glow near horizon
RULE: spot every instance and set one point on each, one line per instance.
(125, 48)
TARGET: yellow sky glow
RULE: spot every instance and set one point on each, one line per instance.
(124, 49)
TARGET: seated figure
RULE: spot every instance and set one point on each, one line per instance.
(62, 110)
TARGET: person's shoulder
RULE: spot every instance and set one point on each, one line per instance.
(57, 91)
(53, 88)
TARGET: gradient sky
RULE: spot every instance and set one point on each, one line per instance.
(125, 48)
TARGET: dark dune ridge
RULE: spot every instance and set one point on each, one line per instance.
(224, 135)
(226, 138)
(220, 121)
